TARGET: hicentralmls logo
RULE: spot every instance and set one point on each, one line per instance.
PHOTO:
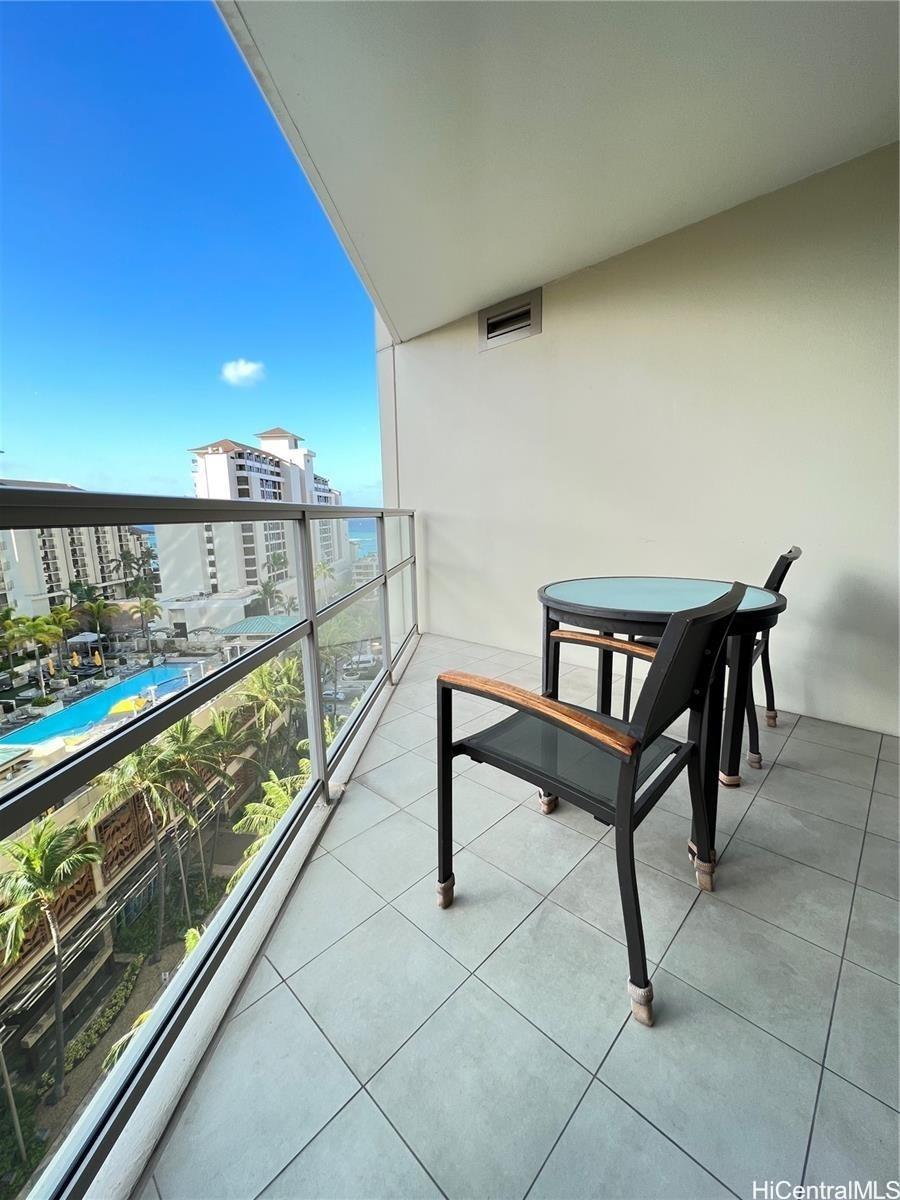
(854, 1189)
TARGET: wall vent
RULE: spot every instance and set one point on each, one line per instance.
(510, 320)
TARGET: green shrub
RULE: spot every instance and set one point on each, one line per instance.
(84, 1042)
(43, 701)
(13, 1172)
(140, 936)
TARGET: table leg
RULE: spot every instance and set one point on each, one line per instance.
(710, 748)
(550, 687)
(740, 657)
(604, 680)
(550, 661)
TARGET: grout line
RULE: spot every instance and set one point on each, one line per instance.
(807, 741)
(597, 1079)
(668, 1137)
(364, 1084)
(307, 1144)
(837, 987)
(742, 837)
(558, 1137)
(405, 1142)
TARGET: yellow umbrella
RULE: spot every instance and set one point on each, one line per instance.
(75, 660)
(131, 704)
(98, 661)
(50, 667)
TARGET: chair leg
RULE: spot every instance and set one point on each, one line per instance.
(754, 758)
(445, 879)
(640, 989)
(701, 850)
(549, 804)
(771, 712)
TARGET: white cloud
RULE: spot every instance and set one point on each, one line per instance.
(240, 372)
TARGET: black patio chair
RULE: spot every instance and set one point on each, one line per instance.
(760, 652)
(600, 763)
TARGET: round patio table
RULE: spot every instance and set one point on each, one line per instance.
(640, 605)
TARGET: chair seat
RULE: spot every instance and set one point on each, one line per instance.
(558, 761)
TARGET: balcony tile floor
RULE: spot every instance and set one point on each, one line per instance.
(381, 1047)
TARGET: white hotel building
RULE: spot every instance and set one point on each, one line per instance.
(38, 565)
(211, 572)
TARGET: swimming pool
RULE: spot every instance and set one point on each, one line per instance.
(84, 714)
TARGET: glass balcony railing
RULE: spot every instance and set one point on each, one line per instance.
(164, 740)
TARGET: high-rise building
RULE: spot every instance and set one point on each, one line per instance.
(236, 557)
(38, 566)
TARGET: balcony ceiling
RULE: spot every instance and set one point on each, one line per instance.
(469, 151)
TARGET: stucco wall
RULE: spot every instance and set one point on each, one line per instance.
(691, 407)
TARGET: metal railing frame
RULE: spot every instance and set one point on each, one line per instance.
(70, 1172)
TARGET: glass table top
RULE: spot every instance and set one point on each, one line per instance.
(650, 594)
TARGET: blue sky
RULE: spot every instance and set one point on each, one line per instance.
(155, 226)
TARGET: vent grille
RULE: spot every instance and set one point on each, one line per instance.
(510, 320)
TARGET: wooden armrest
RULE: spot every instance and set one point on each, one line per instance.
(579, 723)
(604, 643)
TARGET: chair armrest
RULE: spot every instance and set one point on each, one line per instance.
(589, 728)
(604, 643)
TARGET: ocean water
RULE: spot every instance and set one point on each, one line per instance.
(362, 531)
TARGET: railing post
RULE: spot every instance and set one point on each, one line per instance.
(415, 589)
(312, 672)
(381, 544)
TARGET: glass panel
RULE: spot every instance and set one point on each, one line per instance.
(400, 607)
(168, 830)
(344, 554)
(120, 617)
(397, 539)
(351, 652)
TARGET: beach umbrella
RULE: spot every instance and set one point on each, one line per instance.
(131, 704)
(51, 670)
(98, 662)
(76, 659)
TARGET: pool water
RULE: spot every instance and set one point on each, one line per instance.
(85, 714)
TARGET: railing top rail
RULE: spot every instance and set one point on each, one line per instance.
(31, 508)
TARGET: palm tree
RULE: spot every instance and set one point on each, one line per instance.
(261, 816)
(97, 611)
(62, 616)
(275, 689)
(143, 774)
(324, 574)
(7, 616)
(44, 865)
(227, 741)
(148, 610)
(269, 594)
(276, 562)
(37, 632)
(120, 1045)
(186, 752)
(137, 570)
(81, 592)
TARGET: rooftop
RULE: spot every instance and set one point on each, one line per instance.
(279, 432)
(487, 1050)
(261, 626)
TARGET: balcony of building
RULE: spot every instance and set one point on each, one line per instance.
(380, 1046)
(637, 316)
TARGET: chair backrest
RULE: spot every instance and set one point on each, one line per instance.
(680, 674)
(781, 568)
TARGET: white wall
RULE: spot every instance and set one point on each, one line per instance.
(691, 407)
